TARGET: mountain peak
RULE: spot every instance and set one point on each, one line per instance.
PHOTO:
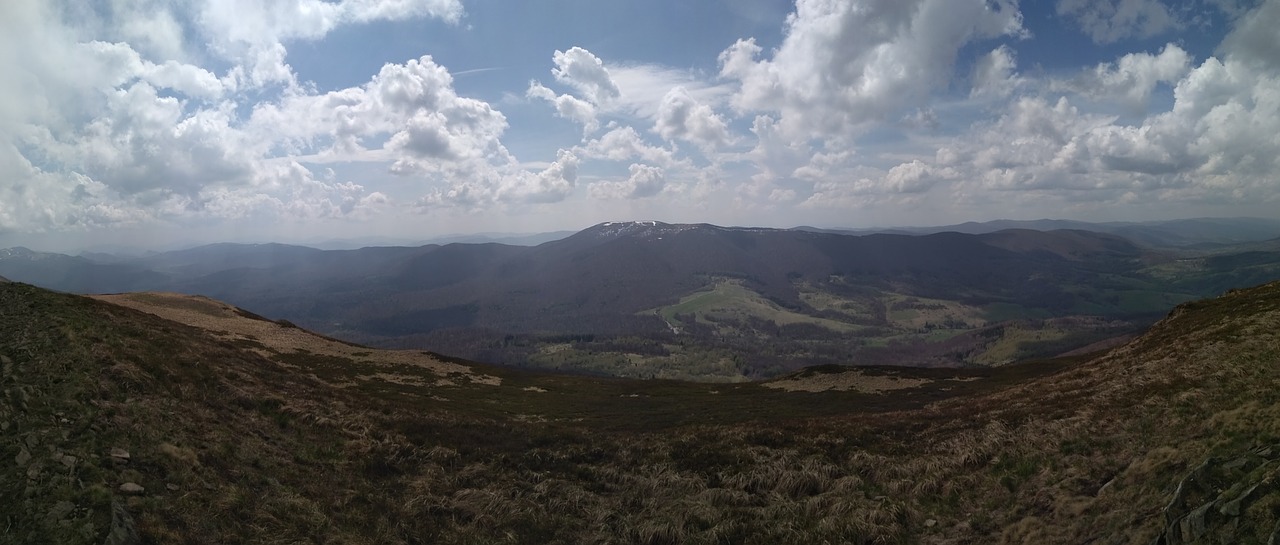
(657, 229)
(17, 252)
(643, 229)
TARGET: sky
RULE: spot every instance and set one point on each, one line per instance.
(151, 124)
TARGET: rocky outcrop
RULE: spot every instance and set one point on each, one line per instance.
(1211, 504)
(123, 532)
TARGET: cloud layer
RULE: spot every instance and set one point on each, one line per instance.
(160, 113)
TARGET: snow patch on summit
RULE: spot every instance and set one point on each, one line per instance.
(643, 229)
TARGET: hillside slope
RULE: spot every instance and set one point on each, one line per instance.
(237, 436)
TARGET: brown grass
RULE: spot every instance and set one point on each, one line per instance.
(856, 381)
(263, 452)
(274, 338)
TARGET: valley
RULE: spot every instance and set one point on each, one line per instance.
(703, 302)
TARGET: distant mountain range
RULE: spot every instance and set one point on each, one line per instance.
(1196, 233)
(681, 299)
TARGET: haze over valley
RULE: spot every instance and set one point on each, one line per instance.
(701, 302)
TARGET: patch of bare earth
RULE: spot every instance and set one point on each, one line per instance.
(269, 338)
(847, 381)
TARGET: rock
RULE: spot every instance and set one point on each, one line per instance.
(172, 487)
(930, 523)
(132, 489)
(119, 455)
(68, 460)
(1194, 524)
(123, 532)
(1237, 463)
(1234, 508)
(60, 511)
(22, 458)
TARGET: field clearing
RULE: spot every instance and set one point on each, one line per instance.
(1005, 349)
(729, 299)
(826, 301)
(911, 312)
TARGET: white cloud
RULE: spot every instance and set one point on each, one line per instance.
(993, 74)
(1107, 21)
(922, 118)
(644, 181)
(775, 156)
(679, 102)
(553, 184)
(251, 33)
(623, 144)
(916, 177)
(1217, 144)
(1133, 77)
(680, 117)
(567, 106)
(138, 132)
(585, 73)
(35, 200)
(844, 65)
(451, 143)
(190, 109)
(580, 69)
(644, 86)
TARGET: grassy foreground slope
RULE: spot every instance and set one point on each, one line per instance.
(245, 430)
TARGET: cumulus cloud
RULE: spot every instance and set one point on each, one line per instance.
(681, 117)
(859, 186)
(993, 74)
(433, 134)
(777, 157)
(139, 132)
(644, 181)
(586, 74)
(1133, 77)
(251, 34)
(1107, 21)
(32, 199)
(1217, 143)
(916, 177)
(843, 65)
(580, 69)
(553, 184)
(567, 106)
(191, 109)
(623, 143)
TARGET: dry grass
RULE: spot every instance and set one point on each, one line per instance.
(856, 381)
(269, 338)
(264, 453)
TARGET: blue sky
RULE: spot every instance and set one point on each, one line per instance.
(157, 124)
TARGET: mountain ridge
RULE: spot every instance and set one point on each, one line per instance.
(658, 299)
